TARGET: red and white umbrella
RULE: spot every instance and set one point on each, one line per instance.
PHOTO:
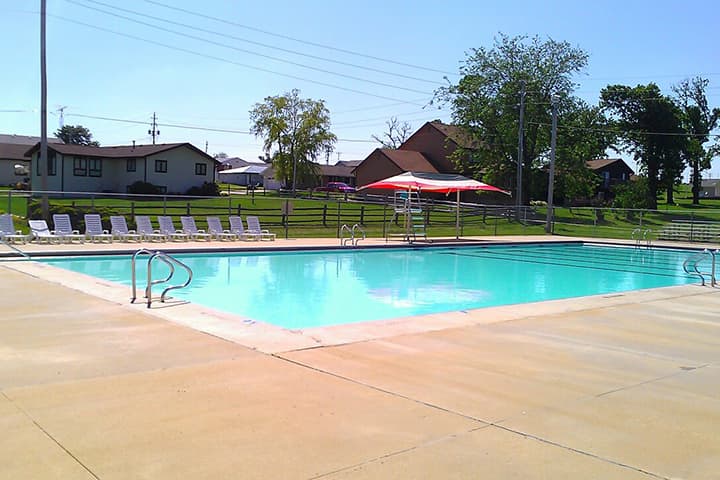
(437, 183)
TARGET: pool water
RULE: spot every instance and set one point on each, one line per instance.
(303, 289)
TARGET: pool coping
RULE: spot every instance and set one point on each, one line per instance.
(270, 338)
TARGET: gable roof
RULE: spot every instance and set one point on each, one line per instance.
(25, 139)
(349, 163)
(456, 134)
(336, 170)
(13, 151)
(408, 160)
(600, 163)
(121, 151)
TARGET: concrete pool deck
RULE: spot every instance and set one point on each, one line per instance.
(621, 386)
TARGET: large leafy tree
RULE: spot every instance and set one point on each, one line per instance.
(650, 128)
(295, 132)
(77, 135)
(698, 120)
(485, 102)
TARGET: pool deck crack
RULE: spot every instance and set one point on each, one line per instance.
(50, 436)
(484, 423)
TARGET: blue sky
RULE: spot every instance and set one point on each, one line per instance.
(210, 78)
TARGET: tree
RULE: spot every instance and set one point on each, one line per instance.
(485, 102)
(396, 134)
(76, 135)
(220, 156)
(698, 120)
(649, 126)
(295, 132)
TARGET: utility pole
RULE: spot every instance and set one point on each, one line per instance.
(43, 156)
(154, 132)
(521, 144)
(338, 155)
(62, 116)
(551, 176)
(206, 146)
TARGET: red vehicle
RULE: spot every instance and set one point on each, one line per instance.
(336, 187)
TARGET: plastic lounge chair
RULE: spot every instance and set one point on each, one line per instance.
(120, 230)
(63, 228)
(94, 229)
(41, 233)
(168, 229)
(189, 227)
(145, 228)
(253, 227)
(8, 232)
(236, 227)
(216, 230)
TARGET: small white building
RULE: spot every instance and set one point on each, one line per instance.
(249, 175)
(710, 188)
(172, 167)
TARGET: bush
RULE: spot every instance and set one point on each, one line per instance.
(77, 214)
(144, 188)
(207, 189)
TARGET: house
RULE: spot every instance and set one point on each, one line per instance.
(386, 162)
(172, 167)
(14, 166)
(612, 171)
(237, 162)
(710, 188)
(429, 149)
(340, 172)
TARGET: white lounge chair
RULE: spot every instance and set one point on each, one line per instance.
(41, 233)
(119, 230)
(236, 227)
(189, 228)
(253, 227)
(215, 229)
(63, 228)
(168, 229)
(94, 230)
(145, 228)
(8, 232)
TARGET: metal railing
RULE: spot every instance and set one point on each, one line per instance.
(691, 266)
(171, 262)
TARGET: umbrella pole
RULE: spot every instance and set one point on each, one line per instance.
(457, 216)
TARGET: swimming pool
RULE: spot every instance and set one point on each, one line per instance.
(302, 289)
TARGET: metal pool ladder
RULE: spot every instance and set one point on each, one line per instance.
(167, 260)
(690, 266)
(352, 239)
(640, 236)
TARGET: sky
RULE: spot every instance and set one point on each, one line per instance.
(202, 66)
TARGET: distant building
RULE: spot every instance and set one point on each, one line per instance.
(173, 167)
(612, 171)
(249, 175)
(14, 165)
(237, 162)
(710, 188)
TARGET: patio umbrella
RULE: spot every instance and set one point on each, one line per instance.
(434, 182)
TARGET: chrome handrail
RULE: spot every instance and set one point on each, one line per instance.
(344, 241)
(167, 260)
(354, 238)
(690, 266)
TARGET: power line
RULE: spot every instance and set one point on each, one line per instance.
(306, 42)
(249, 52)
(225, 60)
(225, 35)
(600, 130)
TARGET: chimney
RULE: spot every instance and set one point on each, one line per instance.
(133, 144)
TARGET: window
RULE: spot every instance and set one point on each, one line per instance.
(200, 169)
(130, 165)
(80, 166)
(161, 166)
(95, 169)
(51, 164)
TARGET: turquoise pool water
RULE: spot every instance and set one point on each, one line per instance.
(315, 288)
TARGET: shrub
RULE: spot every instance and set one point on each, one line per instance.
(207, 189)
(144, 188)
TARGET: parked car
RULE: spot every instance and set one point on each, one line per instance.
(336, 187)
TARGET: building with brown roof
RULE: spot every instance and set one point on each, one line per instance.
(173, 167)
(612, 171)
(386, 162)
(14, 165)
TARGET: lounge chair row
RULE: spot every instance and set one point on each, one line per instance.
(94, 232)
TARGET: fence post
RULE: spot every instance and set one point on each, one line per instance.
(338, 219)
(188, 208)
(692, 225)
(229, 201)
(362, 214)
(384, 230)
(324, 215)
(9, 201)
(132, 209)
(496, 222)
(92, 203)
(164, 205)
(286, 218)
